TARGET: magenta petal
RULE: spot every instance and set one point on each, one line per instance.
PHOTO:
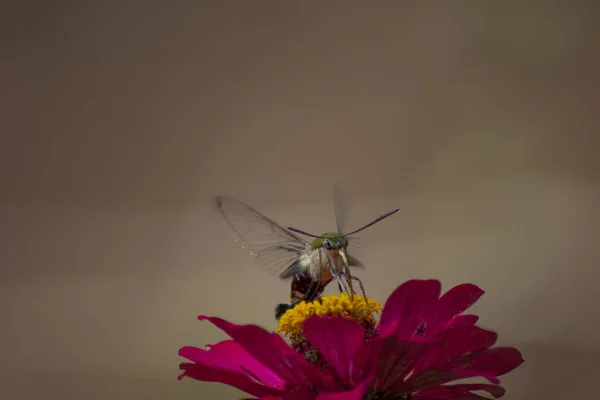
(463, 320)
(337, 339)
(451, 344)
(460, 391)
(453, 302)
(356, 393)
(237, 380)
(429, 379)
(266, 349)
(263, 398)
(429, 355)
(230, 355)
(465, 389)
(491, 362)
(303, 395)
(457, 342)
(396, 359)
(408, 306)
(364, 361)
(467, 397)
(290, 357)
(425, 380)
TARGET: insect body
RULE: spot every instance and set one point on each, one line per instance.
(304, 288)
(281, 252)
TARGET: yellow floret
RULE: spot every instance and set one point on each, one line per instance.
(355, 308)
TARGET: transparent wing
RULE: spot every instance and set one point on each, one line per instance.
(355, 253)
(276, 249)
(340, 206)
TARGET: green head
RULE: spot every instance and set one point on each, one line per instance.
(337, 240)
(330, 241)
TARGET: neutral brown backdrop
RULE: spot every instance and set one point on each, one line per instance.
(120, 120)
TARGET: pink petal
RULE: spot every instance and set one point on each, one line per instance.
(356, 393)
(467, 339)
(264, 398)
(337, 339)
(408, 306)
(463, 320)
(424, 380)
(395, 360)
(266, 349)
(230, 355)
(453, 343)
(453, 302)
(303, 395)
(291, 358)
(364, 361)
(430, 379)
(470, 396)
(428, 356)
(454, 391)
(457, 342)
(491, 362)
(237, 380)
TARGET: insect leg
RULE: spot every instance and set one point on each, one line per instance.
(362, 289)
(341, 282)
(360, 284)
(347, 272)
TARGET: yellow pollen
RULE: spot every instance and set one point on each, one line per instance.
(355, 308)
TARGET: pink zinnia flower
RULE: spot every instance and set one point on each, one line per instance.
(423, 343)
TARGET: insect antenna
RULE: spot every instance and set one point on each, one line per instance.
(387, 214)
(304, 233)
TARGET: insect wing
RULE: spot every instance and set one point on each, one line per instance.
(276, 249)
(340, 206)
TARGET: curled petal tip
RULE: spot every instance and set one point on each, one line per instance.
(183, 351)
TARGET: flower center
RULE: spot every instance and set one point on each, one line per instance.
(353, 307)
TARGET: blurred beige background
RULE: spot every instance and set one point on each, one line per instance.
(120, 121)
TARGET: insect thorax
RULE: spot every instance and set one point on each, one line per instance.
(319, 263)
